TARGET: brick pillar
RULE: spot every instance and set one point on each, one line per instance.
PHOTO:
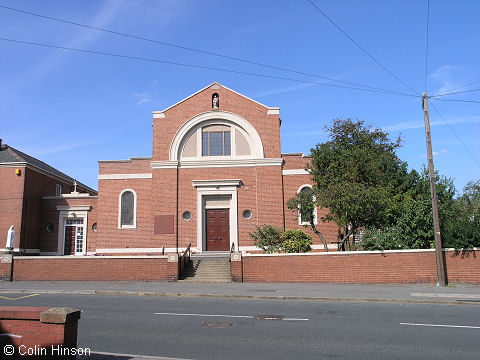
(40, 333)
(6, 266)
(236, 267)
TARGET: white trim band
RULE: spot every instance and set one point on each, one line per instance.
(295, 172)
(124, 176)
(216, 163)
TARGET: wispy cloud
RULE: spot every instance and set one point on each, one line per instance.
(283, 90)
(409, 125)
(436, 153)
(447, 77)
(81, 39)
(142, 98)
(41, 149)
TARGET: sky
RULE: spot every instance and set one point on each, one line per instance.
(71, 109)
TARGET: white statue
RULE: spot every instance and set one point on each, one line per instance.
(10, 238)
(215, 101)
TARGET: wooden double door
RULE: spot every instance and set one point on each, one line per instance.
(218, 229)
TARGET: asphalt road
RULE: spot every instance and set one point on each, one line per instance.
(182, 328)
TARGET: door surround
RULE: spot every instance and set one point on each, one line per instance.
(205, 188)
(77, 212)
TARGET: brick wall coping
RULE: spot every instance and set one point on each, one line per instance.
(54, 257)
(43, 314)
(358, 252)
(21, 312)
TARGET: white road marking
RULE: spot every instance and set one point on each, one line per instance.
(230, 316)
(457, 296)
(439, 325)
(213, 315)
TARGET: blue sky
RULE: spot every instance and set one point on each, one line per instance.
(71, 109)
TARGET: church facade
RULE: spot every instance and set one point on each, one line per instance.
(216, 172)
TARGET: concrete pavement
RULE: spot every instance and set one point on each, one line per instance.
(459, 293)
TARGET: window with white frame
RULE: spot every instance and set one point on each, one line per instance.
(127, 209)
(58, 191)
(303, 215)
(216, 140)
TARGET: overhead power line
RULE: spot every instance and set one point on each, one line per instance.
(201, 67)
(461, 86)
(455, 134)
(426, 49)
(136, 37)
(454, 93)
(362, 48)
(457, 100)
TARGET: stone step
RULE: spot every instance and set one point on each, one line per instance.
(207, 270)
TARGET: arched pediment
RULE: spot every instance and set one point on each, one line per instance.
(245, 141)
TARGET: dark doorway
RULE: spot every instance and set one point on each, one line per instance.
(218, 229)
(69, 240)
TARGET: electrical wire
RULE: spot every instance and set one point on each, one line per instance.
(461, 86)
(455, 134)
(201, 67)
(363, 49)
(457, 100)
(191, 49)
(454, 93)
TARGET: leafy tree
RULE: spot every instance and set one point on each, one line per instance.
(304, 202)
(267, 238)
(462, 228)
(357, 176)
(413, 225)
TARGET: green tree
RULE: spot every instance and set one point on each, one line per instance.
(267, 238)
(305, 203)
(413, 223)
(357, 176)
(462, 228)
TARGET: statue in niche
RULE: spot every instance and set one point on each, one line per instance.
(215, 102)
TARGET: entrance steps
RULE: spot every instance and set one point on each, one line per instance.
(207, 268)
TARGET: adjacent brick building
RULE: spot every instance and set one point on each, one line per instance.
(27, 188)
(216, 172)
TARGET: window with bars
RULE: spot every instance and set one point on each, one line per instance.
(216, 143)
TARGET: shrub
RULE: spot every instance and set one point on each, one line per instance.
(267, 238)
(378, 239)
(295, 241)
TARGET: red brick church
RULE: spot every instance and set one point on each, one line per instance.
(216, 172)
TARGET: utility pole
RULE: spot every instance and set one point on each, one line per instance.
(433, 191)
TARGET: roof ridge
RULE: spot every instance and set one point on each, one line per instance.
(12, 151)
(54, 171)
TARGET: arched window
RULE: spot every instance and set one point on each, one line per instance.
(127, 209)
(303, 215)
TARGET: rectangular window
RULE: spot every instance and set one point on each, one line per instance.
(59, 190)
(216, 143)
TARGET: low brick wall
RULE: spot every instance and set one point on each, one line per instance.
(375, 267)
(40, 333)
(96, 268)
